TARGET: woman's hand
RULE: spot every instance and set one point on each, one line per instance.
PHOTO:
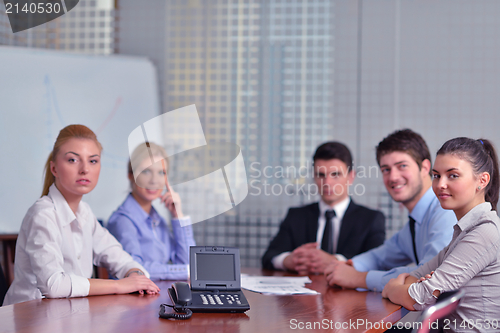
(426, 277)
(172, 201)
(138, 283)
(133, 283)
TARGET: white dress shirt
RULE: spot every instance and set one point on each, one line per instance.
(56, 249)
(339, 209)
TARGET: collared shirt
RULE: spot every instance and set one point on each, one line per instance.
(471, 262)
(148, 239)
(339, 209)
(56, 249)
(433, 231)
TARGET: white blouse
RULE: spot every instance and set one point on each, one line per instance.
(56, 249)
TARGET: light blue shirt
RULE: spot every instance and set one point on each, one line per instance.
(150, 242)
(433, 231)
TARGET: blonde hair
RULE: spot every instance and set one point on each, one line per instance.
(144, 151)
(68, 132)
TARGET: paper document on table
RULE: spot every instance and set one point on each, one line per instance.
(277, 285)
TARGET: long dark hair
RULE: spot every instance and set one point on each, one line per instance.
(482, 156)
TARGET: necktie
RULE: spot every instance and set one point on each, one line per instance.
(412, 230)
(327, 242)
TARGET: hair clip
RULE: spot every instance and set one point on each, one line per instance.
(481, 142)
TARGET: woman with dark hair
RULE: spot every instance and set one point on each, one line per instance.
(465, 180)
(60, 238)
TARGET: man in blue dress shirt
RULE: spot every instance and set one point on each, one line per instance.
(405, 163)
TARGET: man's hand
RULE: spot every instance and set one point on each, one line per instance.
(396, 290)
(318, 260)
(298, 259)
(393, 284)
(307, 259)
(343, 274)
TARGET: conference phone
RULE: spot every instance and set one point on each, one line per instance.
(215, 283)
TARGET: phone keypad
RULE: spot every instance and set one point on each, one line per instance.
(220, 299)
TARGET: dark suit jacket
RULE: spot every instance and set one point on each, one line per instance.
(361, 230)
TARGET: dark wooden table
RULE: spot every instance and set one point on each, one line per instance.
(333, 310)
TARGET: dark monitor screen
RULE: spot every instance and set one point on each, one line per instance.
(215, 267)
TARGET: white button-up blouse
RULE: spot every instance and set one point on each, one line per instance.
(56, 250)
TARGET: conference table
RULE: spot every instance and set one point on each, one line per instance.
(333, 310)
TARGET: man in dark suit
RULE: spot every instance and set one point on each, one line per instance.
(312, 236)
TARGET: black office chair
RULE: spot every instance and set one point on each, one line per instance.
(446, 304)
(3, 286)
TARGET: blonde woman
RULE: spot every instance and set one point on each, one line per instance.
(60, 237)
(138, 226)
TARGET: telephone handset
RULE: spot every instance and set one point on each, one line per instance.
(181, 296)
(182, 292)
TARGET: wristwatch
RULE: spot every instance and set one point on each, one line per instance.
(134, 271)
